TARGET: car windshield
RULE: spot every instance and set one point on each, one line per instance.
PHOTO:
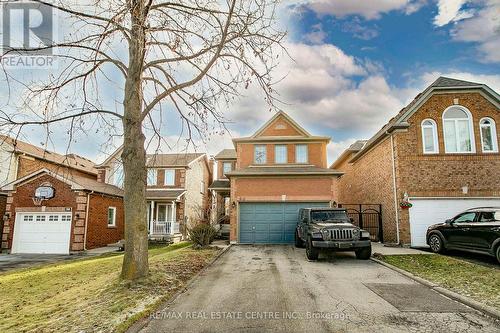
(337, 216)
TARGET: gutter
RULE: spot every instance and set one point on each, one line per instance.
(396, 209)
(86, 221)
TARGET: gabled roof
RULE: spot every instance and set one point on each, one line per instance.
(226, 154)
(76, 182)
(442, 84)
(281, 114)
(70, 160)
(353, 148)
(172, 160)
(303, 135)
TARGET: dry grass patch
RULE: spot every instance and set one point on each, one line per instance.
(476, 281)
(87, 295)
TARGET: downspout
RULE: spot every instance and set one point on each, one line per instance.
(86, 221)
(394, 188)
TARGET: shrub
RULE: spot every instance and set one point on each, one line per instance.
(202, 235)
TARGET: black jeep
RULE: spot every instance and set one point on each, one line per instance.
(330, 229)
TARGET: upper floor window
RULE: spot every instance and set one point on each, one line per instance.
(118, 175)
(429, 136)
(301, 154)
(169, 177)
(260, 154)
(226, 167)
(488, 130)
(152, 177)
(458, 131)
(280, 154)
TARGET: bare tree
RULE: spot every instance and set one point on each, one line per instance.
(192, 56)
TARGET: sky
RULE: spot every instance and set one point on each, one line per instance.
(353, 65)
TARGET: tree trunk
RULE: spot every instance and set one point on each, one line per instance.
(135, 261)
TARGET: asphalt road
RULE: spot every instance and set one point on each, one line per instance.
(275, 289)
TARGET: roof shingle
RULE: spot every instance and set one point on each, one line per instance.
(169, 160)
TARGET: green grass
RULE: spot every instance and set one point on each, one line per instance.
(476, 281)
(87, 295)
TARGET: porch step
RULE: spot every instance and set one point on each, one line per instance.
(165, 239)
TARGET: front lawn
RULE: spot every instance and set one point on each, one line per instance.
(87, 295)
(476, 281)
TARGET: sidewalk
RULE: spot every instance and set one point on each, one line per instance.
(389, 250)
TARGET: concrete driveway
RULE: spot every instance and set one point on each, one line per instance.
(16, 261)
(274, 288)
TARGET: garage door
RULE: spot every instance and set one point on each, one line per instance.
(42, 233)
(426, 212)
(271, 223)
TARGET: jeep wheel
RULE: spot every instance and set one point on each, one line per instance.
(311, 252)
(498, 254)
(364, 253)
(298, 242)
(436, 243)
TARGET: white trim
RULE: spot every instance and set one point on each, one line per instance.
(196, 159)
(10, 186)
(288, 118)
(493, 130)
(165, 177)
(280, 146)
(471, 130)
(307, 154)
(114, 217)
(435, 140)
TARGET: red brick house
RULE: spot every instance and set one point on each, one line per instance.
(279, 169)
(81, 214)
(440, 153)
(177, 189)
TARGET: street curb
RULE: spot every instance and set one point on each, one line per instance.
(143, 322)
(487, 310)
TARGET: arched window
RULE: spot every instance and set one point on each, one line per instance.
(488, 131)
(458, 130)
(429, 137)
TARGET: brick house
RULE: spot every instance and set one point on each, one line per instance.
(82, 213)
(279, 169)
(177, 189)
(440, 153)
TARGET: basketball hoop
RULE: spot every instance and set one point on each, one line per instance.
(37, 201)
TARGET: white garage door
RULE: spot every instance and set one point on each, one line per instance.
(426, 212)
(42, 233)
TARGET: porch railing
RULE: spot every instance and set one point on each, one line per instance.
(164, 228)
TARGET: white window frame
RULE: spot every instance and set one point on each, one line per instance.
(471, 130)
(434, 136)
(172, 171)
(276, 147)
(224, 167)
(202, 187)
(255, 154)
(155, 177)
(493, 130)
(114, 217)
(306, 154)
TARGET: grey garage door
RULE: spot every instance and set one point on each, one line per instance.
(271, 223)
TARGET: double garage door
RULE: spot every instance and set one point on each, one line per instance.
(270, 223)
(42, 233)
(426, 212)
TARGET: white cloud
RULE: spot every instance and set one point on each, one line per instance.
(491, 80)
(450, 11)
(335, 148)
(317, 35)
(483, 28)
(368, 9)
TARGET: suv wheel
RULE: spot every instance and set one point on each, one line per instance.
(436, 243)
(364, 253)
(498, 253)
(311, 252)
(298, 242)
